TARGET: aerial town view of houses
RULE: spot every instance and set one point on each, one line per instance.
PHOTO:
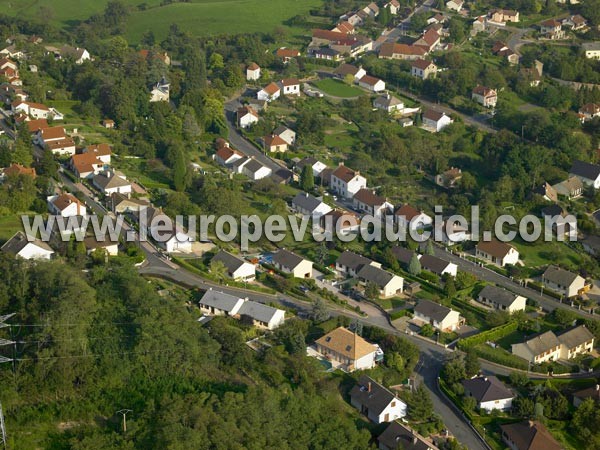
(123, 122)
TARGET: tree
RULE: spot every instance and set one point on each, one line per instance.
(519, 379)
(319, 312)
(454, 370)
(586, 423)
(394, 361)
(420, 406)
(371, 291)
(538, 411)
(471, 363)
(307, 179)
(469, 403)
(449, 286)
(523, 407)
(427, 330)
(322, 253)
(218, 270)
(414, 266)
(429, 250)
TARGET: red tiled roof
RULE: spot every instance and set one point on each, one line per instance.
(271, 88)
(329, 35)
(483, 91)
(18, 169)
(495, 248)
(290, 82)
(253, 66)
(371, 81)
(389, 49)
(408, 212)
(287, 53)
(64, 200)
(272, 140)
(34, 125)
(99, 149)
(345, 173)
(421, 64)
(53, 133)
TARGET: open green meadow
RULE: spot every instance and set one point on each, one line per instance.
(198, 17)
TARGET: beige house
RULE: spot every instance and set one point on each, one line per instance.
(501, 299)
(423, 69)
(550, 347)
(388, 283)
(348, 349)
(289, 262)
(485, 96)
(499, 253)
(562, 281)
(576, 341)
(438, 316)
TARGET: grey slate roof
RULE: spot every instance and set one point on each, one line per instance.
(377, 399)
(433, 264)
(308, 161)
(432, 310)
(486, 389)
(306, 201)
(19, 241)
(575, 336)
(498, 295)
(231, 262)
(560, 276)
(402, 254)
(591, 392)
(257, 311)
(253, 165)
(287, 259)
(399, 437)
(585, 170)
(375, 275)
(219, 300)
(108, 182)
(542, 343)
(352, 260)
(552, 210)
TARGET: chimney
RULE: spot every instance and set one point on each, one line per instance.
(369, 386)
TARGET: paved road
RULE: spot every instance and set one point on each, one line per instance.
(402, 27)
(547, 302)
(515, 41)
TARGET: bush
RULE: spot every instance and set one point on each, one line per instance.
(491, 335)
(500, 356)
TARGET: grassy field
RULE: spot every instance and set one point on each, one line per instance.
(199, 17)
(9, 225)
(338, 88)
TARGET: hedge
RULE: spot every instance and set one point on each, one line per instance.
(500, 356)
(491, 335)
(397, 314)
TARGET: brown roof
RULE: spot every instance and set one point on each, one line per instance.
(290, 82)
(341, 219)
(271, 88)
(345, 173)
(431, 37)
(18, 169)
(495, 248)
(329, 35)
(273, 139)
(484, 91)
(407, 211)
(53, 133)
(241, 112)
(432, 114)
(422, 64)
(287, 53)
(35, 125)
(99, 149)
(371, 81)
(551, 23)
(498, 45)
(346, 343)
(389, 49)
(530, 435)
(67, 142)
(590, 108)
(84, 162)
(368, 197)
(227, 152)
(345, 27)
(32, 105)
(253, 66)
(64, 200)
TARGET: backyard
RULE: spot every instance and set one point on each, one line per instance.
(337, 88)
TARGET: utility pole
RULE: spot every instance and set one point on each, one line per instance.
(124, 412)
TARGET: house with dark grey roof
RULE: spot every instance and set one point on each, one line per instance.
(350, 263)
(489, 393)
(438, 316)
(237, 268)
(398, 436)
(588, 173)
(308, 205)
(27, 247)
(291, 263)
(501, 299)
(317, 166)
(582, 395)
(221, 304)
(376, 402)
(110, 182)
(438, 265)
(403, 255)
(562, 281)
(388, 283)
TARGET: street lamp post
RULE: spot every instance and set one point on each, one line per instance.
(124, 412)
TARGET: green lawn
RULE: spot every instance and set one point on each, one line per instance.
(539, 253)
(338, 88)
(9, 225)
(198, 17)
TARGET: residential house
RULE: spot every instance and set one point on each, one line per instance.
(347, 349)
(589, 111)
(387, 283)
(273, 143)
(450, 178)
(582, 395)
(570, 188)
(122, 204)
(575, 23)
(531, 75)
(289, 136)
(350, 263)
(66, 205)
(528, 435)
(317, 166)
(435, 121)
(236, 267)
(489, 393)
(160, 91)
(539, 349)
(455, 5)
(33, 126)
(501, 299)
(225, 155)
(252, 72)
(429, 40)
(326, 53)
(501, 49)
(109, 124)
(17, 169)
(408, 216)
(438, 266)
(92, 244)
(290, 86)
(547, 192)
(56, 140)
(325, 37)
(403, 255)
(246, 116)
(31, 109)
(388, 103)
(562, 281)
(109, 182)
(393, 6)
(591, 50)
(376, 402)
(371, 9)
(502, 16)
(79, 55)
(390, 50)
(220, 304)
(174, 240)
(438, 316)
(423, 69)
(347, 182)
(26, 247)
(366, 201)
(344, 27)
(286, 54)
(552, 29)
(86, 165)
(575, 341)
(289, 262)
(449, 233)
(254, 169)
(344, 70)
(12, 52)
(269, 93)
(101, 151)
(557, 220)
(310, 206)
(398, 436)
(372, 83)
(499, 253)
(340, 222)
(485, 96)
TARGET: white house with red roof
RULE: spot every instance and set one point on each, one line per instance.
(290, 86)
(347, 182)
(66, 205)
(226, 155)
(423, 69)
(485, 96)
(34, 110)
(408, 216)
(274, 143)
(368, 202)
(435, 121)
(101, 151)
(372, 83)
(269, 93)
(253, 72)
(246, 116)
